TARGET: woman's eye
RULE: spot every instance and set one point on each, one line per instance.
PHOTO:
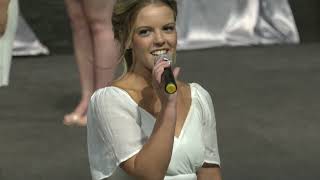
(144, 32)
(169, 28)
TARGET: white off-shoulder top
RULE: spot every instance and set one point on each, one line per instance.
(118, 128)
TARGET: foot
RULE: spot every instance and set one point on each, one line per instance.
(74, 119)
(78, 117)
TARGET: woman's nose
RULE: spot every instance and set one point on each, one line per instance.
(159, 38)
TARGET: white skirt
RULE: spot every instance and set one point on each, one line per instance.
(119, 174)
(182, 177)
(6, 42)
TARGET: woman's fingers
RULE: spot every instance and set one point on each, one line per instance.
(176, 72)
(158, 70)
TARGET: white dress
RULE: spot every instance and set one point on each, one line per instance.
(6, 42)
(117, 129)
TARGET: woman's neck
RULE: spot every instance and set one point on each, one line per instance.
(140, 88)
(139, 80)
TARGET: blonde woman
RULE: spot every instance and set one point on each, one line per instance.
(136, 130)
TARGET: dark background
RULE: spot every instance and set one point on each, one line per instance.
(49, 21)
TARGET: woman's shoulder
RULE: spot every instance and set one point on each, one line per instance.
(199, 88)
(192, 88)
(126, 86)
(200, 92)
(110, 95)
(190, 85)
(117, 87)
(107, 92)
(112, 100)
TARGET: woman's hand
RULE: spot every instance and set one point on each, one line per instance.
(158, 85)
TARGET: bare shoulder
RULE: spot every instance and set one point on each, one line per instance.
(125, 85)
(119, 83)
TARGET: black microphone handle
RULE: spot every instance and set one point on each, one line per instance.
(167, 78)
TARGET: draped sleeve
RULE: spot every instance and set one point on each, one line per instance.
(113, 131)
(209, 133)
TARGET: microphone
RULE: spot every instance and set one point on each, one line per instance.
(167, 77)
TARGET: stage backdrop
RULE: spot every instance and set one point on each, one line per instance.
(209, 23)
(26, 42)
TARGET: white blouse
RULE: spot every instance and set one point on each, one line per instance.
(118, 128)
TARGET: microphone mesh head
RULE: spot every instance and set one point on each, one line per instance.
(165, 57)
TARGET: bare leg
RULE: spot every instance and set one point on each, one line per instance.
(3, 15)
(82, 42)
(99, 13)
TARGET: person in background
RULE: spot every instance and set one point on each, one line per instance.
(136, 130)
(96, 52)
(4, 4)
(8, 25)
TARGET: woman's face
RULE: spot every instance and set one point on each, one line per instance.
(154, 34)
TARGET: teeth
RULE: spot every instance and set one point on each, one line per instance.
(158, 53)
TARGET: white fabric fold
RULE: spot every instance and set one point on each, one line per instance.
(26, 42)
(210, 23)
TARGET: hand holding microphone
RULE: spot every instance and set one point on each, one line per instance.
(167, 77)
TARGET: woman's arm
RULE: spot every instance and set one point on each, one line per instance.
(3, 15)
(152, 161)
(209, 172)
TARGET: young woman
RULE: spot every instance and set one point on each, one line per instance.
(136, 130)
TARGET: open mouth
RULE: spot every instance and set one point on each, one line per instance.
(159, 52)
